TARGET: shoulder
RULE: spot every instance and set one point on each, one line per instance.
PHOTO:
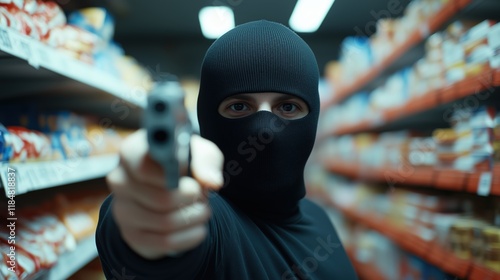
(224, 218)
(219, 205)
(309, 206)
(316, 214)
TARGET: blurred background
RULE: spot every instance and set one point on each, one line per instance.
(407, 158)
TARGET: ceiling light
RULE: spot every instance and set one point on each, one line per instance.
(308, 15)
(215, 21)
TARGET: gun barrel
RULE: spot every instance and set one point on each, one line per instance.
(169, 130)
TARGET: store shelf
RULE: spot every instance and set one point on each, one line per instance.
(34, 176)
(403, 237)
(473, 182)
(42, 62)
(447, 12)
(449, 262)
(365, 271)
(70, 262)
(480, 272)
(411, 241)
(488, 81)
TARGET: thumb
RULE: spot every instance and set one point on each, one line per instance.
(206, 162)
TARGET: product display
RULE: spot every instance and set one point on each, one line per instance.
(32, 18)
(32, 135)
(444, 158)
(360, 54)
(28, 145)
(85, 35)
(468, 146)
(370, 135)
(44, 233)
(416, 221)
(49, 234)
(464, 50)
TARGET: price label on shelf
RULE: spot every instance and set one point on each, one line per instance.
(26, 49)
(43, 56)
(5, 42)
(34, 54)
(22, 182)
(41, 175)
(484, 185)
(30, 174)
(3, 177)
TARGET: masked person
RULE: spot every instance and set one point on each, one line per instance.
(259, 104)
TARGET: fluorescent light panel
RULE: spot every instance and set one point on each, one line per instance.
(308, 15)
(215, 21)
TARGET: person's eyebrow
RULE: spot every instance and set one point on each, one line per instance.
(243, 97)
(280, 98)
(288, 97)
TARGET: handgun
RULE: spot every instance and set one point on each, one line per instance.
(169, 130)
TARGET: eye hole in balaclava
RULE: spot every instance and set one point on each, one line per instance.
(264, 154)
(283, 105)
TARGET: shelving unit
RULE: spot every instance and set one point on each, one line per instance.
(365, 270)
(35, 176)
(441, 97)
(397, 60)
(53, 70)
(70, 262)
(429, 177)
(40, 74)
(424, 111)
(411, 241)
(448, 11)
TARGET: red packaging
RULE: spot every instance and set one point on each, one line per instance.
(46, 17)
(19, 4)
(29, 145)
(41, 25)
(34, 245)
(51, 13)
(75, 42)
(4, 17)
(72, 38)
(6, 270)
(51, 231)
(8, 19)
(30, 6)
(25, 263)
(26, 23)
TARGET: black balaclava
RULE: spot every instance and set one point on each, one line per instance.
(264, 154)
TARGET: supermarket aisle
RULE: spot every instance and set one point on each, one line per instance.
(406, 161)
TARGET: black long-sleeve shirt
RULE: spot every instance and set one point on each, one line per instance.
(237, 247)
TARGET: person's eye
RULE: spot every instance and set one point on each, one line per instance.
(238, 107)
(288, 107)
(291, 110)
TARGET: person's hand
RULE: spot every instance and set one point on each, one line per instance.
(154, 221)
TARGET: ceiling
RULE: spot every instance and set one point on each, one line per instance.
(179, 18)
(167, 34)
